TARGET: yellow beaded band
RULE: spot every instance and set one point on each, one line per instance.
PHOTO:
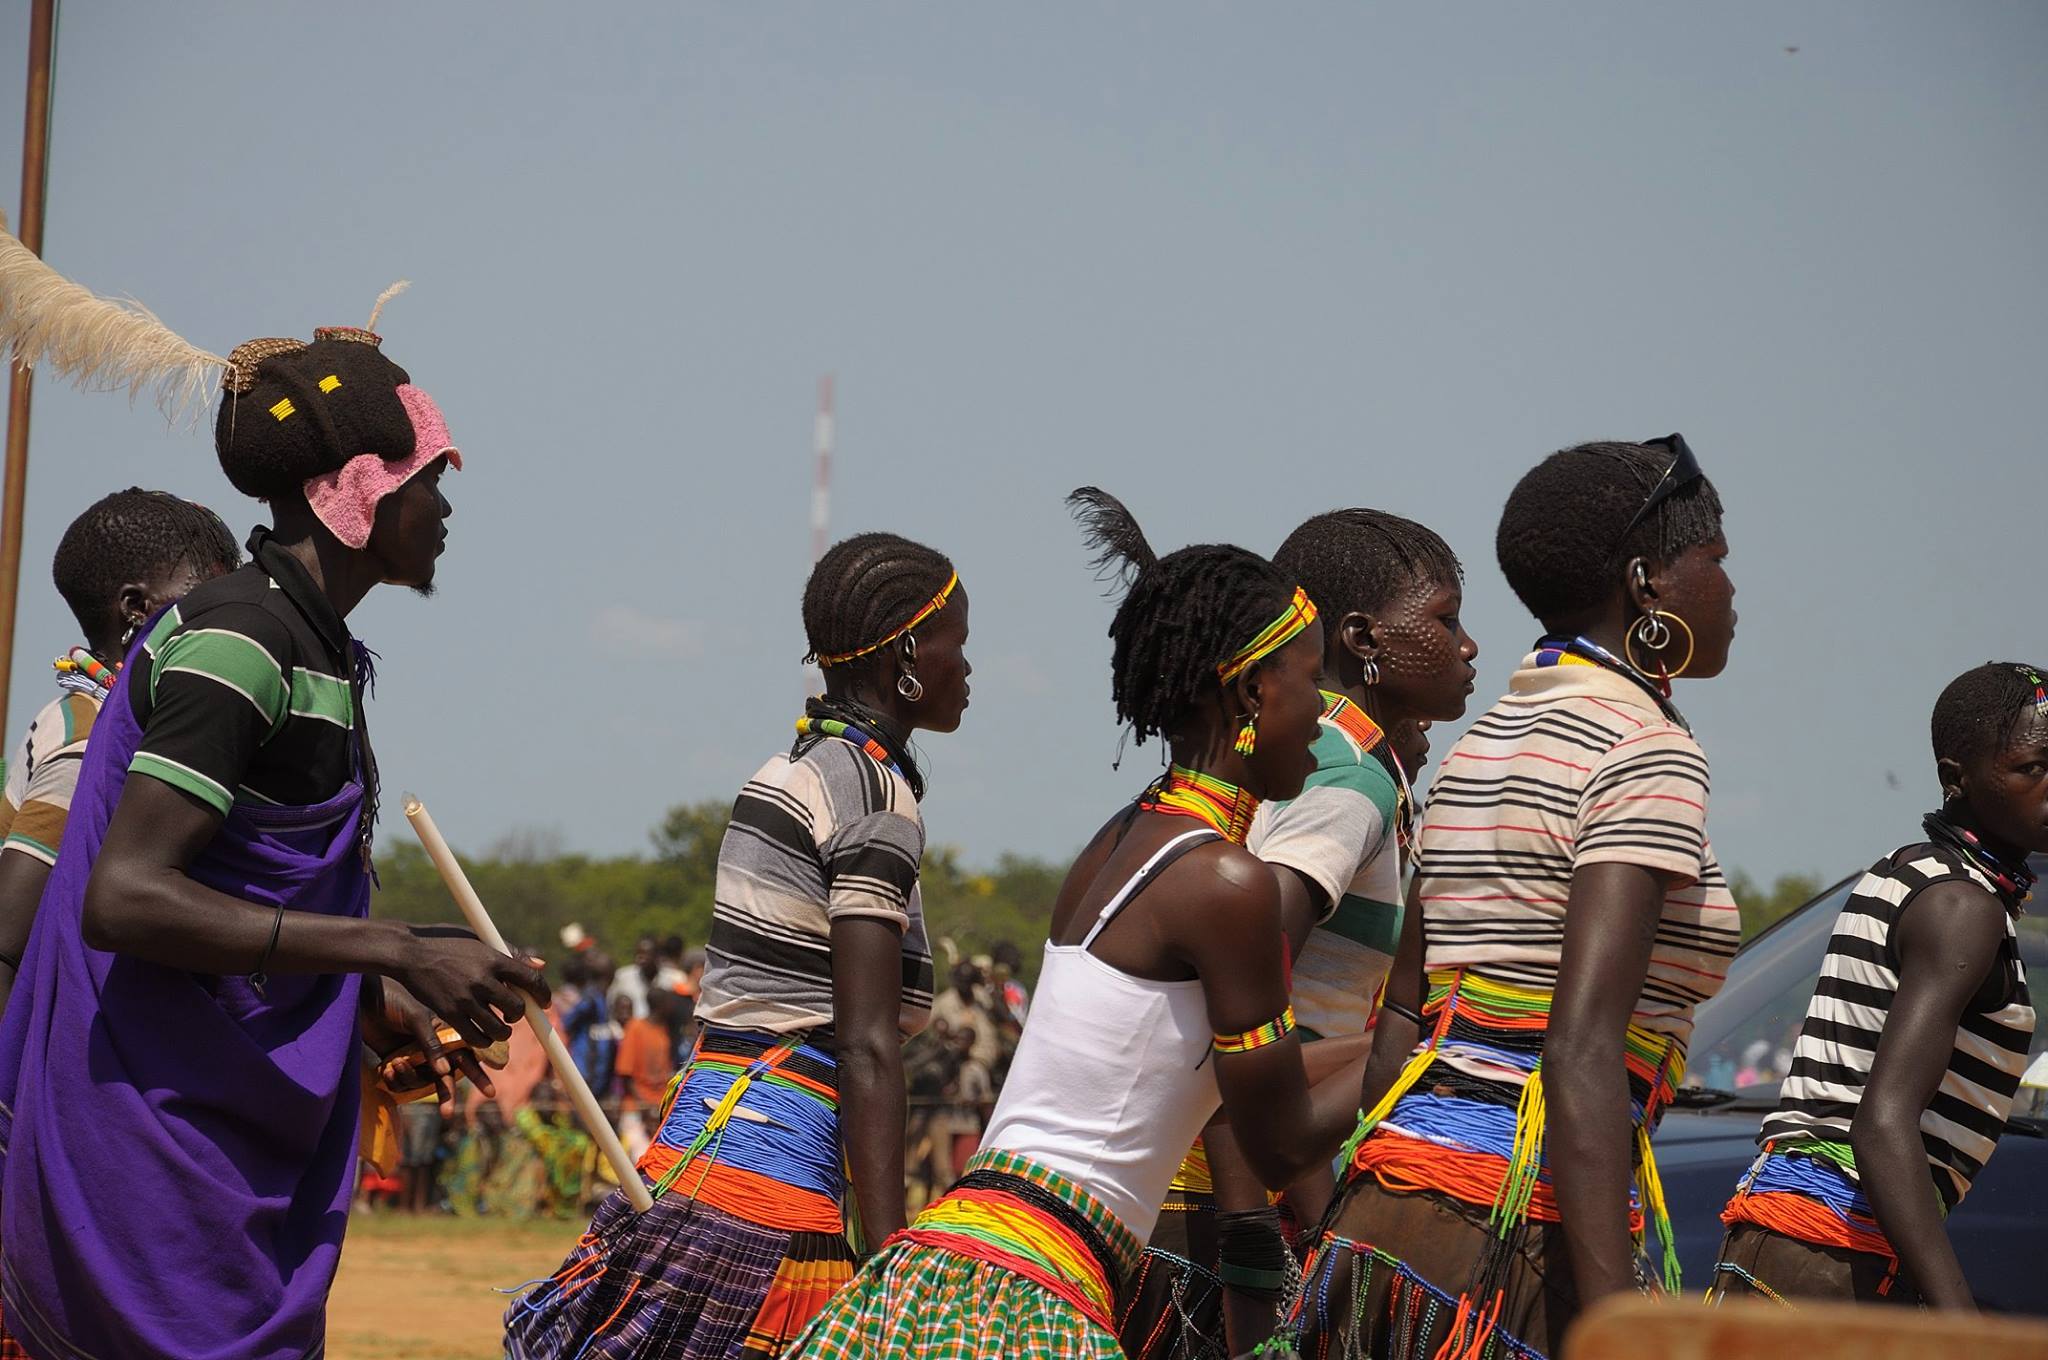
(1301, 612)
(931, 607)
(1272, 1032)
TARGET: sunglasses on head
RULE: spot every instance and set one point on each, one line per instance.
(1683, 472)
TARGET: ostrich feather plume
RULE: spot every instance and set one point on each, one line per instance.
(102, 344)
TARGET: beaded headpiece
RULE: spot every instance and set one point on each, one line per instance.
(2033, 677)
(925, 611)
(1301, 612)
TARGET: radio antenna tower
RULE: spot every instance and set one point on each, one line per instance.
(821, 485)
(821, 500)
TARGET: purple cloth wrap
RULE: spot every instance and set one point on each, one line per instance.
(179, 1152)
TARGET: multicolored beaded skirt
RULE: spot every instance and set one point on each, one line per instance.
(1454, 1153)
(745, 1242)
(1173, 1309)
(1014, 1261)
(1800, 1226)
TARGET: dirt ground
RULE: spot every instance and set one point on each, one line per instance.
(422, 1288)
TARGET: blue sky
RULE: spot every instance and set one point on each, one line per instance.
(1236, 264)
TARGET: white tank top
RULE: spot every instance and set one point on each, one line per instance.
(1112, 1078)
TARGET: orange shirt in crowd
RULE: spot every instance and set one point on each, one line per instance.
(646, 1061)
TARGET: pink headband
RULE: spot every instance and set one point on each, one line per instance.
(346, 500)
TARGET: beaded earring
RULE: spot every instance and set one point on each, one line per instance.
(1248, 735)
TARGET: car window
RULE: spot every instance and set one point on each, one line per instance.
(2033, 1093)
(1743, 1036)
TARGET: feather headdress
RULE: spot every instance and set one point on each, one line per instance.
(104, 344)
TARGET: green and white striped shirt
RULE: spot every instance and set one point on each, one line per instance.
(243, 690)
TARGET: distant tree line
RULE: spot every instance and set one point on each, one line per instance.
(1762, 907)
(533, 888)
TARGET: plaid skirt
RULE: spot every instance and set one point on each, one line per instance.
(938, 1303)
(683, 1281)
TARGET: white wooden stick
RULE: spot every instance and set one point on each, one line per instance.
(543, 1029)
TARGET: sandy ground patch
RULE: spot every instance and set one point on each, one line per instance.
(421, 1288)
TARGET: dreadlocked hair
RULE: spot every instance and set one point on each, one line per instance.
(1560, 536)
(1181, 617)
(1981, 710)
(1358, 560)
(134, 535)
(865, 587)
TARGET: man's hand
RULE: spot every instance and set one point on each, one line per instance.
(471, 986)
(393, 1017)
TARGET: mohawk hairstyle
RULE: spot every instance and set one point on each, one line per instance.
(1981, 710)
(1182, 615)
(134, 535)
(1357, 560)
(865, 586)
(1560, 533)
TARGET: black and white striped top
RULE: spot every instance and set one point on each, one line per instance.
(1838, 1042)
(817, 835)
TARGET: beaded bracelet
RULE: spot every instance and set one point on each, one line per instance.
(1272, 1032)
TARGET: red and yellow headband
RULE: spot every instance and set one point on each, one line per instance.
(1301, 612)
(931, 607)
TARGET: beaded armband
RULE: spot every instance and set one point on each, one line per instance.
(1272, 1032)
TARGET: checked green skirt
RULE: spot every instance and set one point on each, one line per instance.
(986, 1271)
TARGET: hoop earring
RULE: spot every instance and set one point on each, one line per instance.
(910, 687)
(1372, 671)
(128, 636)
(1248, 735)
(1654, 633)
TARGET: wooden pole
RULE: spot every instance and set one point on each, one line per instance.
(35, 174)
(543, 1029)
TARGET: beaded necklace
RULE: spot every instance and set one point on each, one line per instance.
(808, 726)
(1558, 650)
(80, 672)
(2015, 882)
(1222, 806)
(1404, 801)
(1371, 739)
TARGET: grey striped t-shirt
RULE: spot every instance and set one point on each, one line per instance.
(827, 833)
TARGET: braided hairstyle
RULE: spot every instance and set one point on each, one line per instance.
(1560, 533)
(1982, 708)
(134, 535)
(862, 589)
(1182, 615)
(1357, 560)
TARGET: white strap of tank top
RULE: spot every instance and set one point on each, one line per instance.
(1139, 879)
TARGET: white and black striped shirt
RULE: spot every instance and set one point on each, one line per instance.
(828, 833)
(1858, 981)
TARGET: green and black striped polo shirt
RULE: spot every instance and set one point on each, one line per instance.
(246, 696)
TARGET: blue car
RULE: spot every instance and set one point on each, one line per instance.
(1742, 1044)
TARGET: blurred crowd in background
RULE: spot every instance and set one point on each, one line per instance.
(630, 1027)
